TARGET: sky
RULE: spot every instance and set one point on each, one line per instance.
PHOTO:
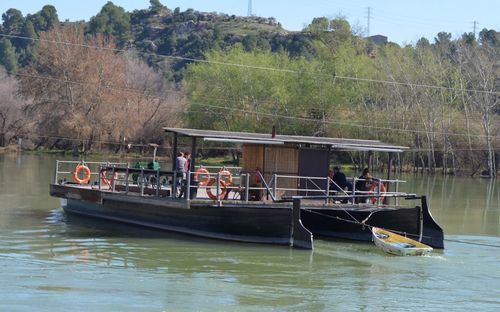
(402, 21)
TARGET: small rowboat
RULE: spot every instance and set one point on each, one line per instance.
(398, 245)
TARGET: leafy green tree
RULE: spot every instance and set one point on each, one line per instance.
(318, 24)
(250, 42)
(28, 31)
(45, 19)
(169, 44)
(156, 6)
(490, 37)
(112, 20)
(423, 43)
(26, 51)
(13, 21)
(8, 56)
(296, 95)
(329, 34)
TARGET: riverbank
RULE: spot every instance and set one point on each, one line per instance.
(9, 149)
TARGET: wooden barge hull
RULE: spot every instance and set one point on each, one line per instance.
(256, 222)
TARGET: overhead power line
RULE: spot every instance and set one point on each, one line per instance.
(289, 71)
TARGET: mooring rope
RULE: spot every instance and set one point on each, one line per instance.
(356, 221)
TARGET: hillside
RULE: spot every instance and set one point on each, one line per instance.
(190, 34)
(154, 32)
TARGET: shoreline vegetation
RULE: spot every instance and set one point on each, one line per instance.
(111, 83)
(208, 159)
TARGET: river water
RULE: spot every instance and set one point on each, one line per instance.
(50, 261)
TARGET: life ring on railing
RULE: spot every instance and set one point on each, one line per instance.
(86, 176)
(226, 176)
(106, 181)
(202, 172)
(374, 189)
(222, 191)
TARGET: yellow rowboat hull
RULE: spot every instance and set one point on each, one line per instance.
(398, 245)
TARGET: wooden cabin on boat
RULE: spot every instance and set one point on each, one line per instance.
(289, 156)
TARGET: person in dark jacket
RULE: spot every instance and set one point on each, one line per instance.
(339, 180)
(364, 182)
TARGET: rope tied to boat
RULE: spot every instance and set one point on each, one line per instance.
(363, 223)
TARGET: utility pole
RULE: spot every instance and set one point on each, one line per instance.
(249, 8)
(368, 17)
(474, 28)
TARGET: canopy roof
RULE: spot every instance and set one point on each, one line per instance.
(278, 139)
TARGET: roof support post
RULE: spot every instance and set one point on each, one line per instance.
(193, 154)
(174, 151)
(389, 169)
(370, 160)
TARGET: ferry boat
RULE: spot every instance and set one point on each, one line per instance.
(281, 194)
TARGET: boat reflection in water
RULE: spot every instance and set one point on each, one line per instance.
(281, 195)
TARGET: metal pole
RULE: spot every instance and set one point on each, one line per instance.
(397, 191)
(193, 154)
(217, 187)
(174, 185)
(157, 182)
(142, 182)
(174, 152)
(354, 190)
(378, 192)
(247, 182)
(275, 182)
(57, 172)
(327, 189)
(113, 179)
(126, 180)
(188, 186)
(99, 177)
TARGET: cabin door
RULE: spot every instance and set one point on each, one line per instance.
(313, 163)
(282, 161)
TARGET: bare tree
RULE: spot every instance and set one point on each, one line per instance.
(12, 123)
(71, 86)
(479, 67)
(153, 102)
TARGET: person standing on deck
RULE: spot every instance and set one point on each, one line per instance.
(187, 156)
(180, 165)
(339, 183)
(363, 185)
(180, 168)
(187, 169)
(339, 180)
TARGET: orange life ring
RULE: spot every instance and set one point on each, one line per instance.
(106, 181)
(86, 177)
(223, 189)
(226, 176)
(374, 189)
(202, 172)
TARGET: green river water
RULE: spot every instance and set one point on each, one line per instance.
(50, 261)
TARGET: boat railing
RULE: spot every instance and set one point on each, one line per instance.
(326, 188)
(219, 168)
(244, 186)
(65, 169)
